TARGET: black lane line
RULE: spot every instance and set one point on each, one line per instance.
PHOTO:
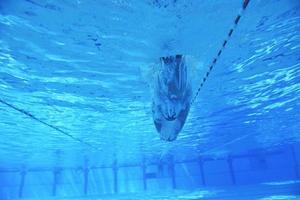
(231, 30)
(45, 123)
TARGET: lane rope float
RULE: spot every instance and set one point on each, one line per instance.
(47, 124)
(215, 59)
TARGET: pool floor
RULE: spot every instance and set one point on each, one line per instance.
(268, 191)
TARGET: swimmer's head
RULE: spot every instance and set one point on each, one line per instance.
(170, 115)
(169, 129)
(171, 107)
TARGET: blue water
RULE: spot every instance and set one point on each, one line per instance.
(75, 104)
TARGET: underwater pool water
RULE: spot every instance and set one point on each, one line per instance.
(75, 99)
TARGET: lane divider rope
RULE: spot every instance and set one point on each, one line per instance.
(214, 61)
(47, 124)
